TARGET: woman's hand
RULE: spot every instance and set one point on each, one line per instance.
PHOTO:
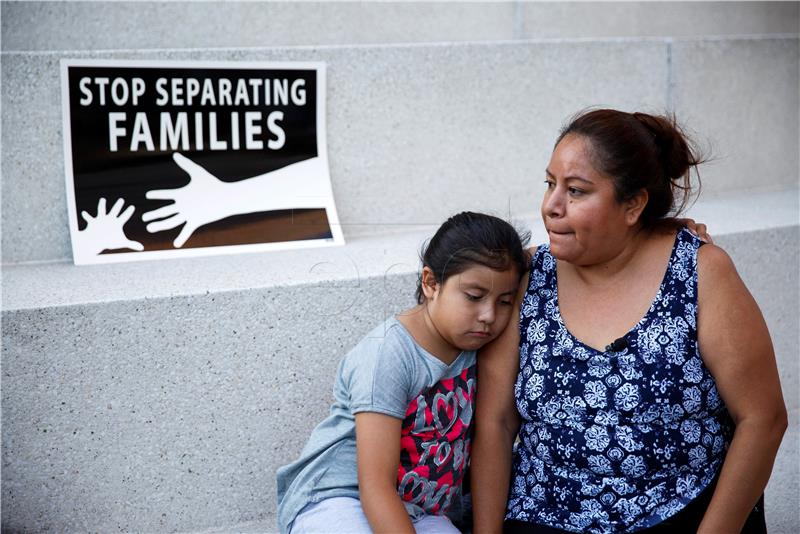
(378, 453)
(698, 229)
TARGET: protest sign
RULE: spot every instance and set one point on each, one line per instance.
(170, 159)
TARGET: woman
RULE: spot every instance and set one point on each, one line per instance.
(641, 379)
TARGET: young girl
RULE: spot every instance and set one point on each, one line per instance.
(391, 455)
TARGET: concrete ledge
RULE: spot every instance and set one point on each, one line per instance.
(395, 251)
(173, 413)
(445, 119)
(709, 81)
(139, 413)
(452, 120)
(131, 25)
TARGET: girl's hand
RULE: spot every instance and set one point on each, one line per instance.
(698, 229)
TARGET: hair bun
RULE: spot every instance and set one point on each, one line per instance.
(674, 153)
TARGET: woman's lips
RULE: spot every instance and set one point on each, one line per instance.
(554, 232)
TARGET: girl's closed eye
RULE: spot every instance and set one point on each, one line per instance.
(473, 297)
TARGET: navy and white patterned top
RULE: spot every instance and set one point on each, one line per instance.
(614, 441)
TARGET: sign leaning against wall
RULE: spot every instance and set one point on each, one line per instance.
(170, 159)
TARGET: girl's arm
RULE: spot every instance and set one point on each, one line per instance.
(378, 452)
(496, 425)
(736, 348)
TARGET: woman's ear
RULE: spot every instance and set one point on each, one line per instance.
(634, 207)
(429, 283)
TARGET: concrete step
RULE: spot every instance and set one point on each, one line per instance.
(125, 25)
(439, 128)
(162, 396)
(394, 252)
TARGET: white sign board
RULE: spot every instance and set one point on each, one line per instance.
(172, 159)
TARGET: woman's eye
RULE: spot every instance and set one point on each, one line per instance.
(549, 184)
(472, 297)
(506, 302)
(575, 192)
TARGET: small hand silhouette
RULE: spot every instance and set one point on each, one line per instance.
(105, 230)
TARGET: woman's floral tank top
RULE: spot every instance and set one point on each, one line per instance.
(614, 441)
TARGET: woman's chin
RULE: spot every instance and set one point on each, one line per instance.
(559, 251)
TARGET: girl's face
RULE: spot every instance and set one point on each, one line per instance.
(473, 307)
(584, 220)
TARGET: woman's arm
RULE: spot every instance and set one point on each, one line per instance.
(736, 348)
(378, 452)
(496, 425)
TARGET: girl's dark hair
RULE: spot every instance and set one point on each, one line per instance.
(640, 151)
(469, 239)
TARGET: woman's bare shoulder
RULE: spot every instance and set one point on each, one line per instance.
(713, 260)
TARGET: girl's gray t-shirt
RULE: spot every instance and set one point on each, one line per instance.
(387, 373)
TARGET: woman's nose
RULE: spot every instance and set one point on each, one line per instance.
(553, 203)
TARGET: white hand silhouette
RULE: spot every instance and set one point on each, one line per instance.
(206, 198)
(105, 230)
(197, 203)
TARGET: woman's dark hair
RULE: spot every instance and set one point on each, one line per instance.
(640, 151)
(470, 239)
